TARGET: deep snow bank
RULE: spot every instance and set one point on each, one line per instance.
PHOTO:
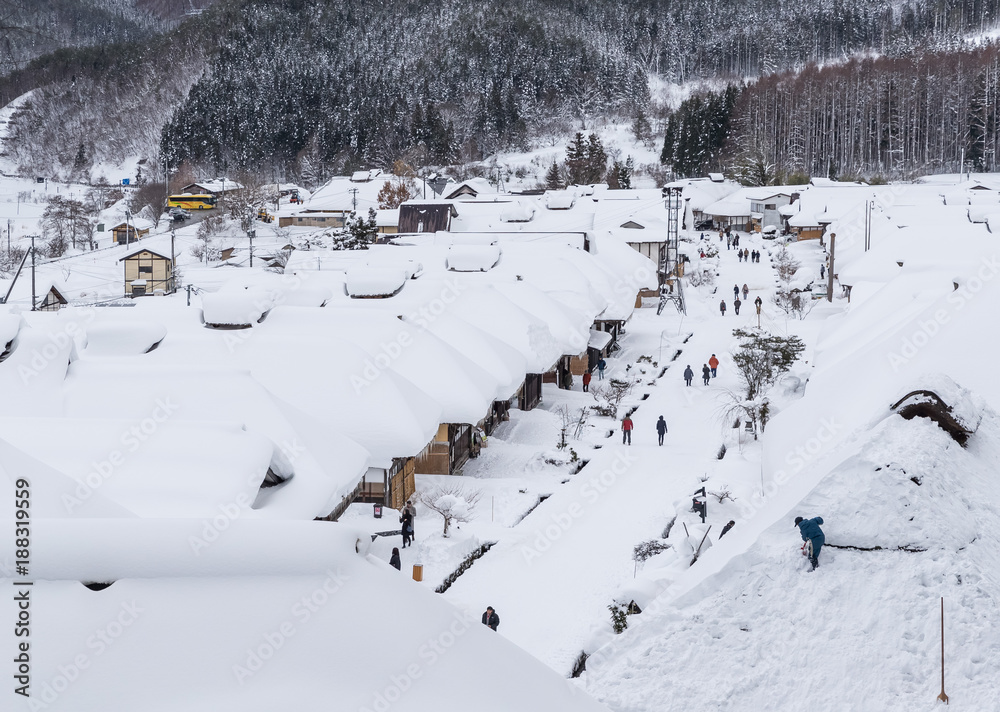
(860, 633)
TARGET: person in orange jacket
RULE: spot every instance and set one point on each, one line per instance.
(713, 363)
(626, 430)
(586, 382)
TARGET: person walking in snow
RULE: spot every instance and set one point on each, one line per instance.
(688, 375)
(810, 531)
(736, 305)
(736, 291)
(729, 242)
(713, 363)
(601, 365)
(394, 559)
(722, 307)
(586, 382)
(411, 508)
(746, 291)
(822, 271)
(661, 428)
(706, 373)
(491, 619)
(626, 430)
(406, 520)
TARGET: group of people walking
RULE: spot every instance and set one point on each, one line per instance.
(588, 376)
(628, 426)
(737, 302)
(708, 371)
(746, 255)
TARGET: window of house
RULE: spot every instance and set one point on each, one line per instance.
(769, 206)
(146, 270)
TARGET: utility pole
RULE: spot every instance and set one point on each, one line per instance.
(251, 234)
(32, 273)
(173, 262)
(829, 271)
(354, 199)
(189, 294)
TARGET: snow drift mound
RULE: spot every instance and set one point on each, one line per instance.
(861, 632)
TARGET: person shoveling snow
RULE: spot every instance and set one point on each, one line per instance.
(813, 536)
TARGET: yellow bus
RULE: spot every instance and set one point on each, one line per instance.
(191, 202)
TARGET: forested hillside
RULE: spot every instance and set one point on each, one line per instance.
(31, 28)
(889, 116)
(311, 86)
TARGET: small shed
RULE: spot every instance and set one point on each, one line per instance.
(148, 272)
(426, 217)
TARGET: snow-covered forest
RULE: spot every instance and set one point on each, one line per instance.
(283, 87)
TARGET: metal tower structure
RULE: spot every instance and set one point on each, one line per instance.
(669, 269)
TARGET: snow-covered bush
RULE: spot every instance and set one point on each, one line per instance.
(649, 549)
(609, 396)
(619, 618)
(452, 502)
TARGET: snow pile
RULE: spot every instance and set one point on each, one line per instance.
(238, 308)
(265, 616)
(915, 512)
(473, 258)
(373, 282)
(123, 338)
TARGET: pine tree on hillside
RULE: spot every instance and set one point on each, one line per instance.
(586, 160)
(553, 177)
(576, 160)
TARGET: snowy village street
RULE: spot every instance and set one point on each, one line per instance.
(577, 545)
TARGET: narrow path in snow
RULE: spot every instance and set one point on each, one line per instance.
(552, 578)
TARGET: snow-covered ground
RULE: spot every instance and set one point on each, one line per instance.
(744, 627)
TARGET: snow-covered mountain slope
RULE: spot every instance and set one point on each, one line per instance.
(862, 631)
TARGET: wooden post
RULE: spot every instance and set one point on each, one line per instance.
(829, 271)
(943, 697)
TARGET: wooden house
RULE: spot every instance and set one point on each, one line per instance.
(130, 231)
(217, 187)
(53, 300)
(389, 486)
(451, 448)
(530, 393)
(315, 218)
(148, 272)
(426, 217)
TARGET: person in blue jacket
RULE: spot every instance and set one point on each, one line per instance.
(809, 528)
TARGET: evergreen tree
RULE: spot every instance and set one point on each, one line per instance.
(576, 160)
(357, 234)
(553, 177)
